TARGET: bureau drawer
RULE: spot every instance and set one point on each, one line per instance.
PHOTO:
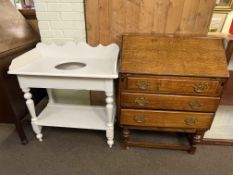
(174, 85)
(169, 119)
(169, 102)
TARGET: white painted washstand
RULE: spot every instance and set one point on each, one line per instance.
(71, 66)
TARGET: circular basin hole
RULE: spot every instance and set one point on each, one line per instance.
(70, 66)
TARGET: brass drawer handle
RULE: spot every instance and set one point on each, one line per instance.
(143, 84)
(139, 119)
(195, 105)
(200, 87)
(141, 101)
(190, 121)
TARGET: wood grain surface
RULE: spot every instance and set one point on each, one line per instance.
(107, 20)
(173, 85)
(185, 56)
(169, 102)
(170, 83)
(153, 118)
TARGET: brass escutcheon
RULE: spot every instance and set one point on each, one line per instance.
(200, 87)
(139, 119)
(195, 104)
(142, 84)
(190, 121)
(141, 101)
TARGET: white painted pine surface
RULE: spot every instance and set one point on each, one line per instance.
(100, 61)
(73, 116)
(38, 68)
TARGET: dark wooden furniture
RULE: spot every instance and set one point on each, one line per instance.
(30, 16)
(170, 84)
(16, 38)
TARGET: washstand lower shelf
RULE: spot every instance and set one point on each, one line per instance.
(73, 116)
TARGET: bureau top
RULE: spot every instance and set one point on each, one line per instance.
(182, 56)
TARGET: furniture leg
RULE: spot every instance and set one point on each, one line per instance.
(50, 95)
(192, 150)
(19, 128)
(31, 108)
(126, 133)
(197, 137)
(110, 114)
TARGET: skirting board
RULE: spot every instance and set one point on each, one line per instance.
(221, 132)
(217, 142)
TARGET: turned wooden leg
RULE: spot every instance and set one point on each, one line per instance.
(190, 138)
(126, 133)
(110, 122)
(197, 137)
(31, 109)
(192, 150)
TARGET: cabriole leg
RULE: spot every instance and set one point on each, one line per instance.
(31, 109)
(110, 123)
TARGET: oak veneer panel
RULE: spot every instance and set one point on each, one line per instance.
(169, 102)
(174, 85)
(166, 119)
(107, 20)
(180, 53)
(156, 42)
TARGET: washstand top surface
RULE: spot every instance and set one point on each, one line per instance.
(69, 60)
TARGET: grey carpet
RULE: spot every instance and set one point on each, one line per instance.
(84, 152)
(5, 131)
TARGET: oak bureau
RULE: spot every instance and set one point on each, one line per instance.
(170, 84)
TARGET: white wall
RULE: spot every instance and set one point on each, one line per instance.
(61, 20)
